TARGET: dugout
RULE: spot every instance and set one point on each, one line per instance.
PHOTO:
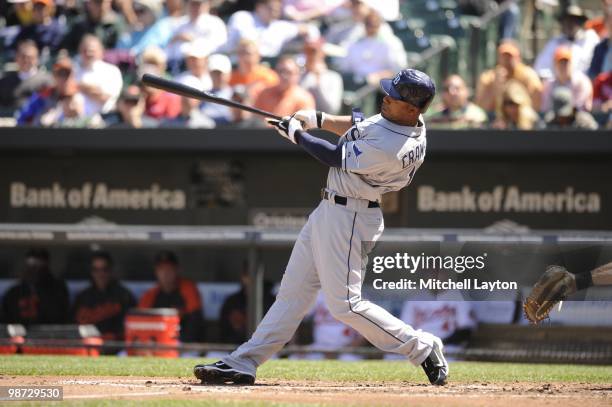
(542, 182)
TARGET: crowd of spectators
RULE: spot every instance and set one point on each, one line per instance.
(41, 298)
(78, 64)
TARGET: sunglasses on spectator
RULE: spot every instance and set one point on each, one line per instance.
(509, 102)
(62, 73)
(105, 269)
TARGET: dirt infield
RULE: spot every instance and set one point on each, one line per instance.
(325, 393)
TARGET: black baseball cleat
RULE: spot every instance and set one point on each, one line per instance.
(436, 366)
(220, 373)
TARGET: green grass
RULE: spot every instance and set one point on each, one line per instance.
(365, 371)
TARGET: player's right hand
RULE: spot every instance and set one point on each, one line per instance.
(311, 119)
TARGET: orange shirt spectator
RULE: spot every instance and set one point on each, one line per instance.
(492, 82)
(249, 71)
(173, 291)
(287, 97)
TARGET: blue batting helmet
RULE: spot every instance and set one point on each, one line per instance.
(411, 86)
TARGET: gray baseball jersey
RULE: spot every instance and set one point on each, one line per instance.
(378, 156)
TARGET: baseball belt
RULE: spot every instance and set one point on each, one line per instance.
(342, 200)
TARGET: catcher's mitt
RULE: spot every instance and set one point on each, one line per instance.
(553, 286)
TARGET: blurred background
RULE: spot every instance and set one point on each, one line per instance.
(116, 197)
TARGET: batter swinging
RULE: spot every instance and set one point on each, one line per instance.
(375, 155)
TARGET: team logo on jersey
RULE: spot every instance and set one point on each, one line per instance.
(397, 79)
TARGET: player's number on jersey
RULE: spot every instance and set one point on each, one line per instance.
(411, 174)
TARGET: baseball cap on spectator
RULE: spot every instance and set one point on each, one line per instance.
(562, 103)
(62, 66)
(574, 11)
(155, 6)
(219, 62)
(509, 47)
(17, 1)
(47, 3)
(563, 53)
(166, 256)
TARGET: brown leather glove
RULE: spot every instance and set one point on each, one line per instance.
(553, 286)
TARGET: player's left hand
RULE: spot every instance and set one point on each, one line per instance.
(555, 285)
(286, 127)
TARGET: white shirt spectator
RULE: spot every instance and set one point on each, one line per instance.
(270, 37)
(582, 92)
(374, 54)
(202, 82)
(327, 89)
(207, 28)
(101, 74)
(388, 9)
(582, 52)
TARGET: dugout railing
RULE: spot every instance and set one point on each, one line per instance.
(254, 240)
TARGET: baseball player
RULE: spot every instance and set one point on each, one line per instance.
(374, 155)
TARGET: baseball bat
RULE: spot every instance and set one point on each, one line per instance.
(190, 92)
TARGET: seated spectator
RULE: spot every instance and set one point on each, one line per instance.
(99, 20)
(201, 25)
(456, 112)
(241, 119)
(347, 32)
(582, 43)
(602, 54)
(45, 30)
(324, 84)
(287, 97)
(233, 317)
(17, 87)
(514, 110)
(38, 297)
(99, 81)
(220, 69)
(47, 99)
(602, 93)
(161, 32)
(159, 104)
(264, 26)
(196, 60)
(19, 13)
(70, 111)
(130, 111)
(174, 291)
(374, 57)
(564, 114)
(577, 81)
(249, 72)
(509, 67)
(141, 35)
(106, 301)
(190, 116)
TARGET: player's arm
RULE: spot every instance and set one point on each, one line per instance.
(324, 151)
(316, 119)
(602, 275)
